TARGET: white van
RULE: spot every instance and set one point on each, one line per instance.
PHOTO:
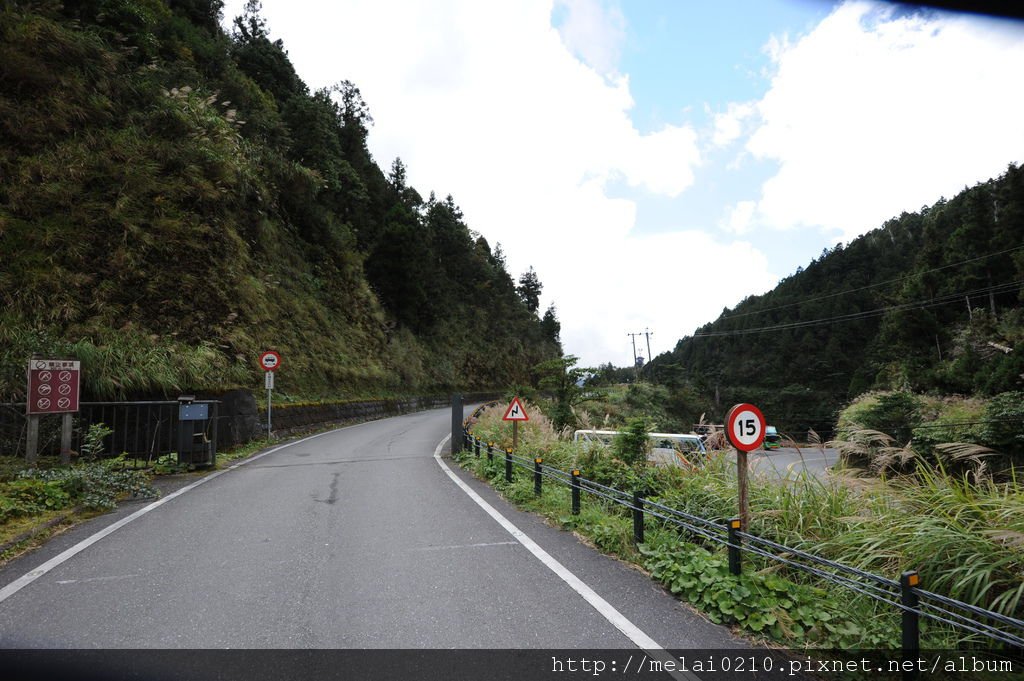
(666, 448)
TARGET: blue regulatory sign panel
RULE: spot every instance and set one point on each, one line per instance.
(193, 412)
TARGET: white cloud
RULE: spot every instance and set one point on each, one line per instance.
(593, 31)
(485, 101)
(661, 161)
(871, 114)
(671, 282)
(729, 125)
(739, 218)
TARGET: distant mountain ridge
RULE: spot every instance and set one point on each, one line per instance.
(174, 200)
(929, 302)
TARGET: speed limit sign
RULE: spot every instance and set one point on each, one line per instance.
(745, 427)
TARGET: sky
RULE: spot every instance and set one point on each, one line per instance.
(656, 162)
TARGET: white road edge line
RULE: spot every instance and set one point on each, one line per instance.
(606, 609)
(29, 577)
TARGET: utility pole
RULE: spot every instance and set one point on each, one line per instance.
(633, 336)
(648, 334)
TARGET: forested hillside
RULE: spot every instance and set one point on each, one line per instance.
(929, 302)
(174, 199)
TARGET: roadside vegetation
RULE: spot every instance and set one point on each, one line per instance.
(174, 199)
(963, 533)
(928, 303)
(37, 500)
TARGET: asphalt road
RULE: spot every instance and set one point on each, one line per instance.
(351, 539)
(789, 462)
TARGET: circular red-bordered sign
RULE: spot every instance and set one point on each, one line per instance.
(270, 361)
(745, 427)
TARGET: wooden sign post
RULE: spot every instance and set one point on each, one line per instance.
(515, 413)
(745, 428)
(53, 388)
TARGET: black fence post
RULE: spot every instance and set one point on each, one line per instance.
(537, 477)
(457, 440)
(477, 441)
(735, 555)
(576, 492)
(911, 622)
(490, 452)
(508, 465)
(638, 518)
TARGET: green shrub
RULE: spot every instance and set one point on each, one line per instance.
(762, 603)
(633, 443)
(96, 486)
(612, 534)
(895, 414)
(26, 497)
(1004, 430)
(92, 444)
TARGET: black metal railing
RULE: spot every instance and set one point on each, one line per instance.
(907, 594)
(142, 430)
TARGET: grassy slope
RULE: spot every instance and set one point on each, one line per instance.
(147, 229)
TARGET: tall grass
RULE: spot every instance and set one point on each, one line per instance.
(964, 534)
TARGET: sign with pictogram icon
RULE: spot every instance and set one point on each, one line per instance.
(53, 386)
(270, 361)
(515, 411)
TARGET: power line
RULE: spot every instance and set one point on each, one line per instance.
(870, 286)
(957, 424)
(854, 316)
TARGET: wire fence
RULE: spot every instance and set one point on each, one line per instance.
(906, 594)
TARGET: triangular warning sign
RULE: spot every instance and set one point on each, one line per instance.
(515, 411)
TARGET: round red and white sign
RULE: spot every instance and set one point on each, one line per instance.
(270, 361)
(745, 427)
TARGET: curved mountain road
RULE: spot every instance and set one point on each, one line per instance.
(355, 538)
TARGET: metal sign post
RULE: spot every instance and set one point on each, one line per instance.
(269, 383)
(270, 361)
(745, 428)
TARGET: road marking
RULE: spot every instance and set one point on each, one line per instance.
(466, 546)
(606, 609)
(110, 578)
(31, 576)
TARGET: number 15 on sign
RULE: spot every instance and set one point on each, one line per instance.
(745, 428)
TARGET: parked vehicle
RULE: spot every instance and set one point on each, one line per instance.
(684, 449)
(772, 439)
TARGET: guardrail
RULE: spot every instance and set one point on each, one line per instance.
(907, 594)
